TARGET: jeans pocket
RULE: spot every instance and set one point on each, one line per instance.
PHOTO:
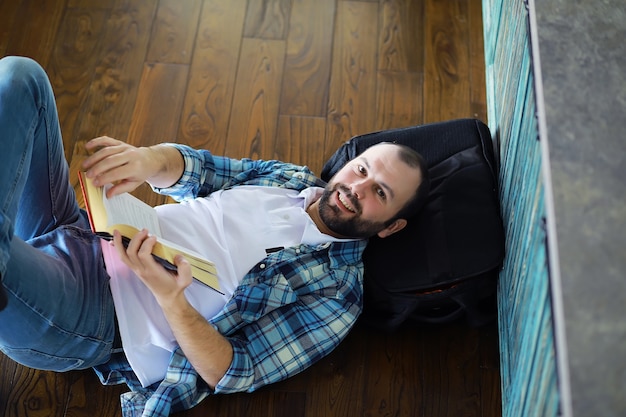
(44, 361)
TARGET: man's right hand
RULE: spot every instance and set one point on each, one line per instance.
(127, 166)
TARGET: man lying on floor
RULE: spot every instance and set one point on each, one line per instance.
(72, 301)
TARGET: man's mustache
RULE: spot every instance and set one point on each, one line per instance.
(356, 204)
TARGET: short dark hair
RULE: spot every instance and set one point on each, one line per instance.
(415, 160)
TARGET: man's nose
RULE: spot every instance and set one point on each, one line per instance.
(359, 188)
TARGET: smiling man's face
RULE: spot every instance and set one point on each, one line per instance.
(367, 192)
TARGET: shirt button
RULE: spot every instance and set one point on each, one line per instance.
(297, 250)
(262, 266)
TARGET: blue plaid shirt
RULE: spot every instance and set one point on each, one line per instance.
(289, 311)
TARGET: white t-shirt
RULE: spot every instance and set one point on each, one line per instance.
(233, 228)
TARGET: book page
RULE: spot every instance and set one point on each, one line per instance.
(129, 215)
(128, 209)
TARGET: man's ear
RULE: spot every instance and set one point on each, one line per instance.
(394, 227)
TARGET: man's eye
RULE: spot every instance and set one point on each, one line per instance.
(362, 169)
(381, 193)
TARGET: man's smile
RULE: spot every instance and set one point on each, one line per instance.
(345, 202)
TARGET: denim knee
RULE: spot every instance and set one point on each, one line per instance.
(21, 76)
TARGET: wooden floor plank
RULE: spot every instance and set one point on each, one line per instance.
(339, 379)
(35, 34)
(446, 76)
(155, 116)
(111, 96)
(394, 381)
(401, 36)
(287, 404)
(91, 4)
(158, 105)
(268, 19)
(490, 399)
(209, 95)
(352, 102)
(449, 358)
(299, 140)
(72, 66)
(8, 12)
(174, 31)
(307, 65)
(37, 393)
(399, 99)
(90, 398)
(252, 133)
(478, 88)
(7, 380)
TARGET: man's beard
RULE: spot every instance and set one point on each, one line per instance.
(353, 227)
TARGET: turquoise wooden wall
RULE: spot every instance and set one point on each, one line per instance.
(528, 362)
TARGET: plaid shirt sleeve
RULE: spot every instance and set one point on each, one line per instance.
(205, 173)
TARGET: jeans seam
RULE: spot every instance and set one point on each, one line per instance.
(50, 323)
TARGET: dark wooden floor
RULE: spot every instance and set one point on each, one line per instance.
(287, 79)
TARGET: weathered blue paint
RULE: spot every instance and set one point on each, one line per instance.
(528, 362)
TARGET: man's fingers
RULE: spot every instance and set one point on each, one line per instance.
(182, 265)
(100, 142)
(102, 147)
(144, 252)
(122, 187)
(138, 251)
(119, 246)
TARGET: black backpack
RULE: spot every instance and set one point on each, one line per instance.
(444, 265)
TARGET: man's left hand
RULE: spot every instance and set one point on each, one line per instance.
(167, 286)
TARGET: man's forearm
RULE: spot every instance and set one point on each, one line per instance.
(209, 352)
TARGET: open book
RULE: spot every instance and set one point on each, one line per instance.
(129, 215)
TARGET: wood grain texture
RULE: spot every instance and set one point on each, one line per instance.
(91, 4)
(112, 94)
(7, 382)
(352, 102)
(490, 398)
(307, 65)
(298, 140)
(252, 133)
(8, 11)
(158, 105)
(156, 114)
(446, 76)
(446, 364)
(478, 89)
(174, 31)
(394, 374)
(208, 100)
(338, 392)
(83, 402)
(34, 35)
(36, 393)
(399, 99)
(72, 65)
(401, 36)
(267, 19)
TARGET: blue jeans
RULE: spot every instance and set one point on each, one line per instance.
(59, 314)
